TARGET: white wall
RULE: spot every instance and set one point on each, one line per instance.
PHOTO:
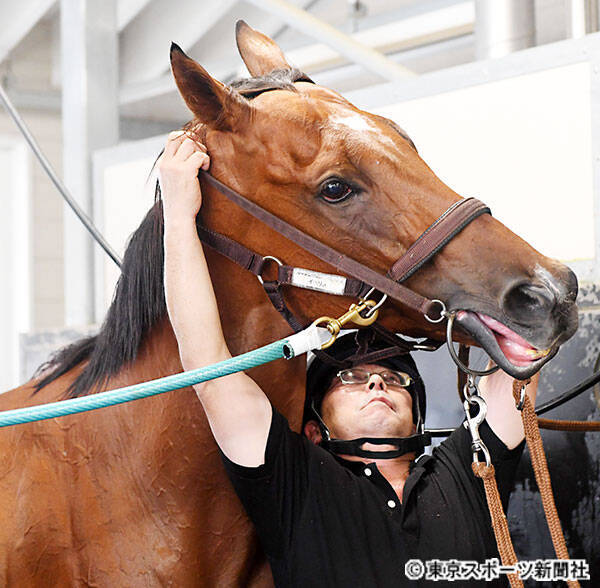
(523, 145)
(15, 259)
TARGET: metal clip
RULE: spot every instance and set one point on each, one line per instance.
(374, 308)
(472, 423)
(470, 388)
(522, 398)
(334, 326)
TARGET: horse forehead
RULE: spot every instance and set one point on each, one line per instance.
(337, 118)
(351, 122)
(359, 128)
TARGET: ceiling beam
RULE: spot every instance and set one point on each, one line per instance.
(145, 42)
(448, 22)
(399, 35)
(17, 19)
(345, 45)
(127, 10)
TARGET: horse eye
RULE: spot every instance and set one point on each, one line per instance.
(335, 191)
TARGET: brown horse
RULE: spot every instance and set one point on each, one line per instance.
(134, 495)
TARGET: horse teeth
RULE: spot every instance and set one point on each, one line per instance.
(538, 353)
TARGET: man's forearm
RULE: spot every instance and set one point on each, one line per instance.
(190, 297)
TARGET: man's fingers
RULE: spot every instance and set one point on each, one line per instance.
(192, 136)
(186, 148)
(174, 140)
(200, 159)
(182, 146)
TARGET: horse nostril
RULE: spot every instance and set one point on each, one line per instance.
(572, 284)
(527, 302)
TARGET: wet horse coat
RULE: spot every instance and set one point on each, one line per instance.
(135, 494)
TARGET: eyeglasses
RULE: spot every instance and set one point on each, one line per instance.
(362, 376)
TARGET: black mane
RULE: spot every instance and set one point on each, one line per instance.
(137, 305)
(139, 300)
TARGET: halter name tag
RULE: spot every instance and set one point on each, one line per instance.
(310, 280)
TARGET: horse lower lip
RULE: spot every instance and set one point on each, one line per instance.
(521, 365)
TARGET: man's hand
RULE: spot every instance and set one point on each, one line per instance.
(178, 169)
(502, 416)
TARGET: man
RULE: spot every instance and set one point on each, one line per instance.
(353, 515)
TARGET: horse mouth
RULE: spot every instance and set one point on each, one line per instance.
(511, 352)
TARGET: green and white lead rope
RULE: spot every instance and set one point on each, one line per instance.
(311, 338)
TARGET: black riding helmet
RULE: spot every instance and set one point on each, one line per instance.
(360, 347)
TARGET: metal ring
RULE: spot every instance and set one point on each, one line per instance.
(443, 312)
(522, 399)
(265, 258)
(454, 356)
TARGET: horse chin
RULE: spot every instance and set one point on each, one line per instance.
(519, 366)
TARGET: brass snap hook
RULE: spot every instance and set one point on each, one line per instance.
(353, 314)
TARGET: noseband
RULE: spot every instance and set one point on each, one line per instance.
(362, 278)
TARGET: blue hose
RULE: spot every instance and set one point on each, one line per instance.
(259, 356)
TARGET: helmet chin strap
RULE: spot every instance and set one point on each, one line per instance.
(413, 444)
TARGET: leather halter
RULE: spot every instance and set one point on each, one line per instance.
(438, 234)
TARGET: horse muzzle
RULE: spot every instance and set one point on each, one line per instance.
(534, 318)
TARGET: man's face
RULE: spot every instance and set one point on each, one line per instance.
(373, 409)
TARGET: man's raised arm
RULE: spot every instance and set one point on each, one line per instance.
(238, 411)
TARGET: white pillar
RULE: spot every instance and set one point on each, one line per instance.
(576, 10)
(503, 26)
(89, 49)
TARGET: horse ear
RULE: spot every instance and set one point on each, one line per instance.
(212, 103)
(260, 53)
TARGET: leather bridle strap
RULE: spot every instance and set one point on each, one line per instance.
(443, 230)
(255, 263)
(286, 275)
(438, 234)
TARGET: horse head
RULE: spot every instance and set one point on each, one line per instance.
(355, 181)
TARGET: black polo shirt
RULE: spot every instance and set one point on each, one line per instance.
(324, 521)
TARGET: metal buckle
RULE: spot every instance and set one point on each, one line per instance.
(267, 258)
